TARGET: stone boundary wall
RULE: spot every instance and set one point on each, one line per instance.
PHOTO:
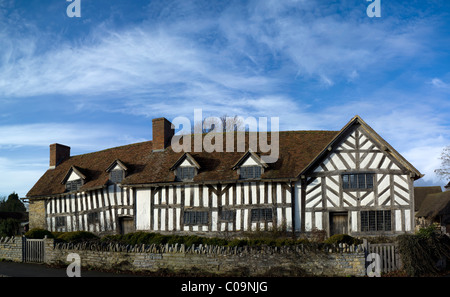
(300, 260)
(11, 248)
(341, 260)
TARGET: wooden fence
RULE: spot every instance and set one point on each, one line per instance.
(388, 253)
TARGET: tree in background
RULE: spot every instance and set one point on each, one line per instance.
(444, 171)
(12, 207)
(12, 204)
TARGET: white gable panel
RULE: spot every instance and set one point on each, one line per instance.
(348, 160)
(366, 160)
(376, 161)
(394, 166)
(250, 162)
(73, 176)
(328, 165)
(386, 163)
(337, 161)
(186, 163)
(117, 167)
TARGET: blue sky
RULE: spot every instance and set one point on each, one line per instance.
(96, 81)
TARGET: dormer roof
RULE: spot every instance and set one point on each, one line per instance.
(246, 156)
(184, 157)
(75, 170)
(116, 163)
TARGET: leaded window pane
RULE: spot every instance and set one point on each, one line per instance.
(195, 217)
(248, 172)
(185, 173)
(116, 176)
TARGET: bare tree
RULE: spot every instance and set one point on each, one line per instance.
(219, 124)
(444, 171)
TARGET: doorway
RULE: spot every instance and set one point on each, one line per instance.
(126, 225)
(338, 223)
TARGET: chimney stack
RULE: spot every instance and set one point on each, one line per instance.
(58, 153)
(162, 134)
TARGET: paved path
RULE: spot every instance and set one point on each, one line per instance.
(14, 269)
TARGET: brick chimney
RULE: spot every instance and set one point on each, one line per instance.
(162, 133)
(58, 153)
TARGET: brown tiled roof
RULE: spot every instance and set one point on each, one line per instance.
(435, 205)
(297, 149)
(420, 193)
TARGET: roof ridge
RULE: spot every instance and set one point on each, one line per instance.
(113, 148)
(192, 134)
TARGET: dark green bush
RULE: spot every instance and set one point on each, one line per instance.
(342, 238)
(188, 240)
(421, 252)
(77, 236)
(37, 233)
(427, 231)
(237, 242)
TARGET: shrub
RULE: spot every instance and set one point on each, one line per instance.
(238, 242)
(37, 233)
(342, 238)
(427, 231)
(77, 236)
(421, 252)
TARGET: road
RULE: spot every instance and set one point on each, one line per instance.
(14, 269)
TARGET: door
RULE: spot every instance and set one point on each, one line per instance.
(338, 223)
(126, 225)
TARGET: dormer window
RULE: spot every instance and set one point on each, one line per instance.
(248, 172)
(74, 179)
(116, 176)
(186, 172)
(117, 171)
(74, 185)
(185, 168)
(250, 166)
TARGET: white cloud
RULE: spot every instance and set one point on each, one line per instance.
(21, 173)
(154, 62)
(438, 83)
(80, 136)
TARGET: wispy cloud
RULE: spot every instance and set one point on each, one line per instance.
(21, 174)
(308, 62)
(438, 83)
(253, 54)
(81, 136)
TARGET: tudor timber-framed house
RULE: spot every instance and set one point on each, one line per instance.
(348, 181)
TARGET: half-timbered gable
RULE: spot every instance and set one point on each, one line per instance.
(348, 181)
(359, 185)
